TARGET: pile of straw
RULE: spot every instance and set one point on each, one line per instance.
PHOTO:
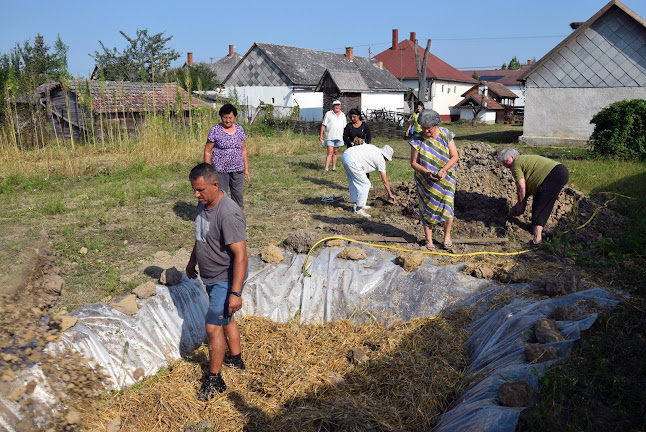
(293, 381)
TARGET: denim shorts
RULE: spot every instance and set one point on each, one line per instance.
(334, 143)
(218, 303)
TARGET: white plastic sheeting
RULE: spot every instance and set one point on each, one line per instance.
(171, 324)
(496, 350)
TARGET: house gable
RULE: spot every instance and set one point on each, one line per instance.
(608, 51)
(257, 69)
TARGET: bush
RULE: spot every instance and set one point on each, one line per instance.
(620, 130)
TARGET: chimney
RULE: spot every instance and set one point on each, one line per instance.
(349, 53)
(413, 36)
(189, 59)
(380, 64)
(230, 50)
(395, 38)
(529, 62)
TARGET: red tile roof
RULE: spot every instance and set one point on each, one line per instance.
(477, 100)
(401, 63)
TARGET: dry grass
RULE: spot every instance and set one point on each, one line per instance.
(414, 373)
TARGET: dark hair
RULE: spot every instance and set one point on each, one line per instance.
(418, 103)
(205, 171)
(356, 112)
(227, 108)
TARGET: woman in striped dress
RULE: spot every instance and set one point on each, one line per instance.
(433, 155)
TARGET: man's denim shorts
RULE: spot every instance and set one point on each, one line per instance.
(218, 303)
(334, 143)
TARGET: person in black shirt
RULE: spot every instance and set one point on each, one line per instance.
(356, 129)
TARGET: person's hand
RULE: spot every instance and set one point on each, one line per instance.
(441, 174)
(235, 304)
(517, 210)
(247, 176)
(190, 270)
(391, 198)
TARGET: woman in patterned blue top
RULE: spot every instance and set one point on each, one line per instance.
(226, 149)
(433, 155)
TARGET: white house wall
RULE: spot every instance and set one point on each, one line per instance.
(519, 91)
(310, 104)
(486, 116)
(444, 95)
(379, 100)
(562, 115)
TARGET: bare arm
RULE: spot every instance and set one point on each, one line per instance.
(414, 162)
(208, 149)
(521, 194)
(247, 176)
(410, 125)
(384, 179)
(453, 153)
(321, 133)
(239, 250)
(191, 273)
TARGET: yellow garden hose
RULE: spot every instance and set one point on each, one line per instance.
(307, 258)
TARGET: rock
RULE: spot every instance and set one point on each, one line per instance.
(73, 417)
(546, 331)
(482, 271)
(30, 387)
(83, 250)
(334, 243)
(271, 254)
(336, 379)
(352, 253)
(409, 261)
(146, 290)
(516, 394)
(114, 425)
(561, 283)
(26, 425)
(67, 322)
(358, 356)
(128, 305)
(301, 241)
(561, 313)
(171, 276)
(512, 273)
(53, 285)
(138, 373)
(537, 353)
(16, 393)
(8, 375)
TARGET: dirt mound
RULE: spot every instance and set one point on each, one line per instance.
(486, 191)
(26, 327)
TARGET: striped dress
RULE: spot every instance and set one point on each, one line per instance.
(435, 197)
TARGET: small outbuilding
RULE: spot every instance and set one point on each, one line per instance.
(498, 106)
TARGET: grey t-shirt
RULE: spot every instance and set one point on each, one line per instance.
(215, 230)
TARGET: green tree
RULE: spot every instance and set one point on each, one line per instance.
(504, 66)
(514, 64)
(60, 59)
(196, 77)
(475, 75)
(142, 59)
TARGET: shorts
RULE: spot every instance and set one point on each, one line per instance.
(217, 313)
(334, 143)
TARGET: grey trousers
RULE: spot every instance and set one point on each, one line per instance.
(232, 183)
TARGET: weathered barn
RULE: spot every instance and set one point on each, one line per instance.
(601, 62)
(94, 109)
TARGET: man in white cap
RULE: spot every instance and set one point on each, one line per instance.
(359, 161)
(333, 124)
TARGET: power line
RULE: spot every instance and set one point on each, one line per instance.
(457, 39)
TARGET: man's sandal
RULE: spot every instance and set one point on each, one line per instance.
(448, 244)
(430, 246)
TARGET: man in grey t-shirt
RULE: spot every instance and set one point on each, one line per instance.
(220, 251)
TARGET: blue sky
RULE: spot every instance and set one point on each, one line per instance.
(465, 34)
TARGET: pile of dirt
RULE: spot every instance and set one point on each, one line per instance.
(26, 327)
(486, 191)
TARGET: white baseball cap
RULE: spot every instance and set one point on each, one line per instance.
(336, 102)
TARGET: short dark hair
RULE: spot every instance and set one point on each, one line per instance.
(355, 111)
(228, 108)
(419, 103)
(205, 171)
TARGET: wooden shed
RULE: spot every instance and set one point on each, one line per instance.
(93, 109)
